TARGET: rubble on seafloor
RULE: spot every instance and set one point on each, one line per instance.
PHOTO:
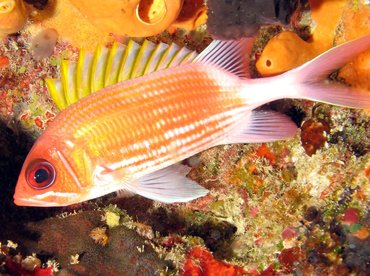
(297, 206)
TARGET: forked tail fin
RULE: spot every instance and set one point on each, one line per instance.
(309, 79)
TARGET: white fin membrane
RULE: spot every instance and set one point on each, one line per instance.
(260, 127)
(230, 55)
(310, 77)
(168, 185)
(124, 193)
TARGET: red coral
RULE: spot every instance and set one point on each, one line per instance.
(4, 61)
(288, 258)
(25, 115)
(14, 268)
(289, 233)
(253, 212)
(49, 114)
(48, 271)
(350, 216)
(201, 262)
(367, 172)
(264, 151)
(39, 122)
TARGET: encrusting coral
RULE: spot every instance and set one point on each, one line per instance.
(13, 16)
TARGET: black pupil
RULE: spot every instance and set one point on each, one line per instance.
(41, 175)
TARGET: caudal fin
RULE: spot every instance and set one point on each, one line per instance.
(310, 78)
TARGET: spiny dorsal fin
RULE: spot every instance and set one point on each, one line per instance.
(230, 55)
(108, 66)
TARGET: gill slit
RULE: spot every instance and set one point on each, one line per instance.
(69, 168)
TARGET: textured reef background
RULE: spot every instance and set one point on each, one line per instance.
(292, 207)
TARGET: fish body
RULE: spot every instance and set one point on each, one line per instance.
(141, 126)
(132, 134)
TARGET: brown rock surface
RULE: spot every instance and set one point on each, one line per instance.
(66, 237)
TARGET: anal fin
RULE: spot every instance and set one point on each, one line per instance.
(123, 193)
(260, 127)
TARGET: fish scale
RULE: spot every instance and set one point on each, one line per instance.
(184, 92)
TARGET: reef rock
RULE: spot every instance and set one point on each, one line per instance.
(68, 241)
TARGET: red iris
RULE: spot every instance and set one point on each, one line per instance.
(40, 174)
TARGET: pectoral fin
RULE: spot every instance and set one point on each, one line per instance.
(168, 185)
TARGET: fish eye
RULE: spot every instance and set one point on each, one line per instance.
(40, 174)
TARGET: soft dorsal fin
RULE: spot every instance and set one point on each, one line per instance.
(230, 55)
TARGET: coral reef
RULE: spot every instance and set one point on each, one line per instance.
(49, 238)
(201, 262)
(25, 103)
(290, 207)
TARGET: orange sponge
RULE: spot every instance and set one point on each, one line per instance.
(287, 50)
(356, 23)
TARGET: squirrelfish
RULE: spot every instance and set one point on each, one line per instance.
(132, 135)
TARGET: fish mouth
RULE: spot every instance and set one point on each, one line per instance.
(34, 202)
(48, 199)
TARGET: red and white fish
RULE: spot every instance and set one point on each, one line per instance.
(133, 134)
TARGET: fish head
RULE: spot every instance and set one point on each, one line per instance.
(49, 176)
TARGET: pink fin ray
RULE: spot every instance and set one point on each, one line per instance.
(124, 193)
(310, 77)
(262, 126)
(322, 65)
(230, 55)
(337, 95)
